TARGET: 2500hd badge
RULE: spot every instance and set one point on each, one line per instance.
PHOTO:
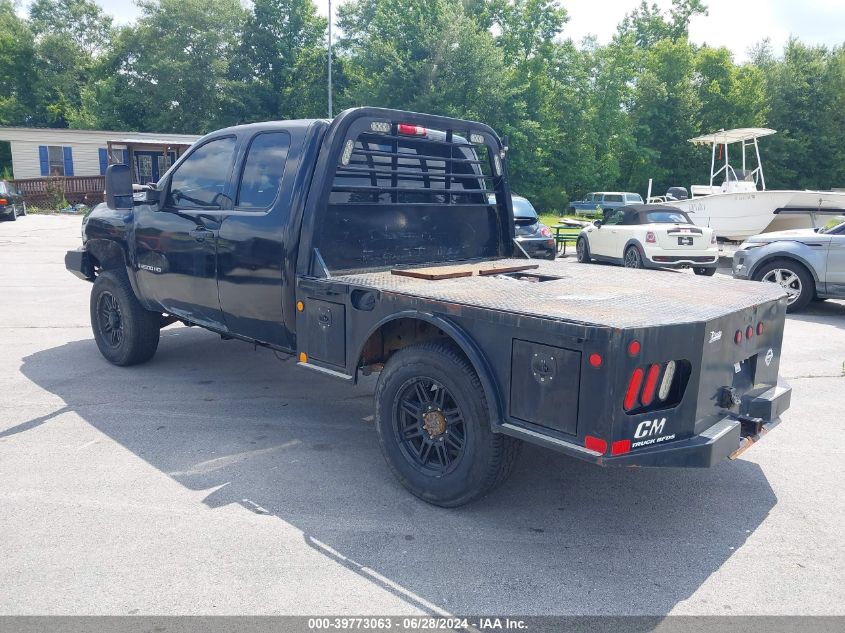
(648, 429)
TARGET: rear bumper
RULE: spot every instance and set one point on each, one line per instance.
(727, 438)
(544, 247)
(79, 263)
(662, 259)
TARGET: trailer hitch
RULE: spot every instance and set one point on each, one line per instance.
(749, 426)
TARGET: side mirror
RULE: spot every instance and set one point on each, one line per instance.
(152, 196)
(119, 187)
(597, 223)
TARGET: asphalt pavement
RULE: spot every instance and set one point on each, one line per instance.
(219, 479)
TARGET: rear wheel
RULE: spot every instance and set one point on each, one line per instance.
(433, 426)
(633, 259)
(794, 278)
(23, 208)
(582, 249)
(704, 270)
(126, 333)
(14, 215)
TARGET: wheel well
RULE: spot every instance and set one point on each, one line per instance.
(397, 334)
(106, 255)
(786, 258)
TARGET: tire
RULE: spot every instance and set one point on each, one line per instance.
(125, 332)
(794, 278)
(582, 250)
(433, 426)
(633, 259)
(23, 212)
(14, 215)
(704, 271)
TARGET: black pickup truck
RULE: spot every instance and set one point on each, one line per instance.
(383, 241)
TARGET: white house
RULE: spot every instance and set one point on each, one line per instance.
(39, 152)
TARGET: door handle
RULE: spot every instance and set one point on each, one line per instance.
(200, 234)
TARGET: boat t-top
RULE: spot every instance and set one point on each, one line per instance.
(741, 206)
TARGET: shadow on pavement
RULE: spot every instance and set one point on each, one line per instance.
(561, 536)
(823, 313)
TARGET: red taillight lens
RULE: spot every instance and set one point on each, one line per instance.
(634, 348)
(621, 447)
(651, 238)
(760, 329)
(596, 360)
(738, 337)
(3, 201)
(412, 130)
(545, 231)
(595, 444)
(650, 384)
(749, 332)
(634, 388)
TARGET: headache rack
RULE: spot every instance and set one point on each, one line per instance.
(402, 188)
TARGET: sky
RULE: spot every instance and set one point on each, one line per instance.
(736, 24)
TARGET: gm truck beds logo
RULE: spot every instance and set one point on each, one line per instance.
(647, 428)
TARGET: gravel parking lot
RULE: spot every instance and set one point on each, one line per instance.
(218, 479)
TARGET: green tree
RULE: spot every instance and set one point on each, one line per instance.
(18, 102)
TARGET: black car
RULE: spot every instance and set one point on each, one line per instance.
(533, 236)
(11, 201)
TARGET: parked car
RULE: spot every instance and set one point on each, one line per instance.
(650, 236)
(602, 201)
(533, 236)
(11, 201)
(807, 263)
(287, 235)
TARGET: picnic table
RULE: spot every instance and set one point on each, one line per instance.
(565, 234)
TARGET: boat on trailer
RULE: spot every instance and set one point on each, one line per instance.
(742, 206)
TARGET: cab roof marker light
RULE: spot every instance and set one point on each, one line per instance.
(666, 383)
(347, 152)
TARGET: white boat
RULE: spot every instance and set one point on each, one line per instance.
(742, 206)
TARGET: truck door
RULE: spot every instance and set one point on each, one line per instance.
(251, 245)
(177, 242)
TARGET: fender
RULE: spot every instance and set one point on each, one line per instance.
(463, 341)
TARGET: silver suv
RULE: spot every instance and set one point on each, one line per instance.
(808, 263)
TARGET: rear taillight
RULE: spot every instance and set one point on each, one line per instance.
(658, 386)
(545, 231)
(634, 347)
(621, 447)
(596, 360)
(749, 332)
(634, 386)
(650, 384)
(760, 329)
(738, 337)
(412, 130)
(650, 238)
(3, 202)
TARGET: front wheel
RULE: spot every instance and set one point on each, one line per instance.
(582, 249)
(633, 259)
(433, 426)
(704, 270)
(126, 333)
(794, 278)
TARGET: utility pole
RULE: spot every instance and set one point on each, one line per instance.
(330, 59)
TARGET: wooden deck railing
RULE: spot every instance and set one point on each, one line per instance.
(49, 190)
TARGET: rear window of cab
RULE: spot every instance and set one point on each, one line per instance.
(667, 217)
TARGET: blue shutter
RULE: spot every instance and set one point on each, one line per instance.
(104, 160)
(44, 159)
(68, 156)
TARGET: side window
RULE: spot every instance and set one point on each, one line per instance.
(263, 170)
(588, 197)
(199, 182)
(615, 218)
(613, 198)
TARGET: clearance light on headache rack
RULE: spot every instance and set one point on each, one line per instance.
(497, 164)
(412, 130)
(347, 152)
(476, 138)
(382, 127)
